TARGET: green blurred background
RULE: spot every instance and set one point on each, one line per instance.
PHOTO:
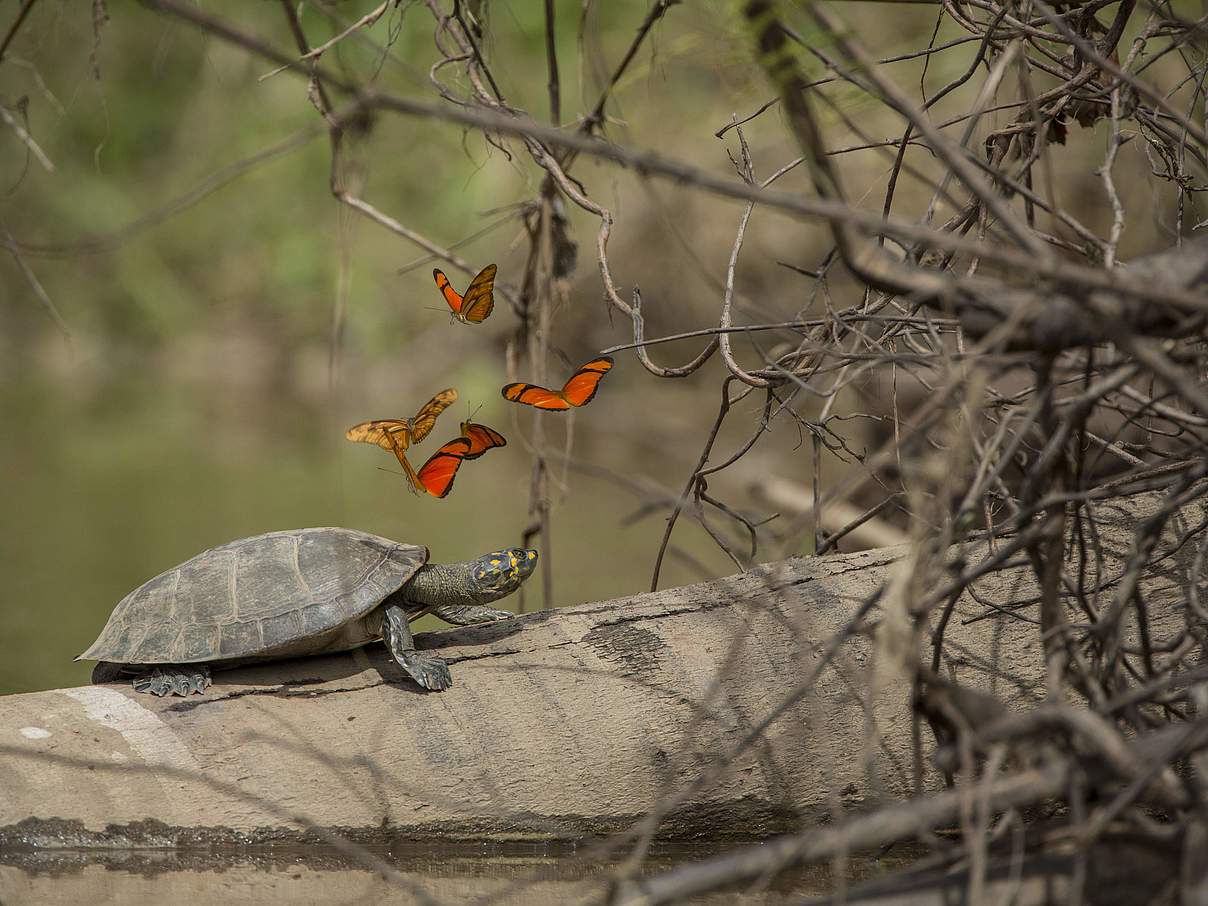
(195, 400)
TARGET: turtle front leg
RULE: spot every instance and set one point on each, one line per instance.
(468, 614)
(174, 679)
(430, 672)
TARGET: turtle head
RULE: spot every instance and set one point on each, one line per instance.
(471, 583)
(500, 573)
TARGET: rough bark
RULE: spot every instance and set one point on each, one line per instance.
(560, 724)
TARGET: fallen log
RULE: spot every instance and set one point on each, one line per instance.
(736, 708)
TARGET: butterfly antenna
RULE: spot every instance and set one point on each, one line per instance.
(452, 316)
(410, 486)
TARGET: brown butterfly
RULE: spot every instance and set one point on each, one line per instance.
(476, 304)
(577, 391)
(397, 434)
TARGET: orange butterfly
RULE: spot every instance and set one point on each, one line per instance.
(578, 391)
(436, 476)
(476, 304)
(397, 434)
(481, 439)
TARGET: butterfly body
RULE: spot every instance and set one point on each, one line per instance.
(398, 434)
(479, 300)
(579, 389)
(481, 439)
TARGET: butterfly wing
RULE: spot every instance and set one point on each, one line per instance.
(532, 395)
(446, 289)
(425, 419)
(582, 386)
(387, 433)
(481, 439)
(577, 391)
(409, 471)
(437, 474)
(479, 299)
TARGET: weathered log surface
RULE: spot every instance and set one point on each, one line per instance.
(561, 724)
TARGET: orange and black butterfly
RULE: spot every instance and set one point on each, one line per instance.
(397, 434)
(578, 391)
(481, 439)
(476, 304)
(435, 477)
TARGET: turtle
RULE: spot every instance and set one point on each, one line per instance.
(294, 593)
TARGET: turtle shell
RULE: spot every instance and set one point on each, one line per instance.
(258, 596)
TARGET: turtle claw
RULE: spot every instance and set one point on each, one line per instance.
(153, 683)
(430, 672)
(200, 679)
(174, 680)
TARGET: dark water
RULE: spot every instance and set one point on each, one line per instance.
(466, 874)
(1118, 871)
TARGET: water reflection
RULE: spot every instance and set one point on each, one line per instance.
(1117, 870)
(485, 875)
